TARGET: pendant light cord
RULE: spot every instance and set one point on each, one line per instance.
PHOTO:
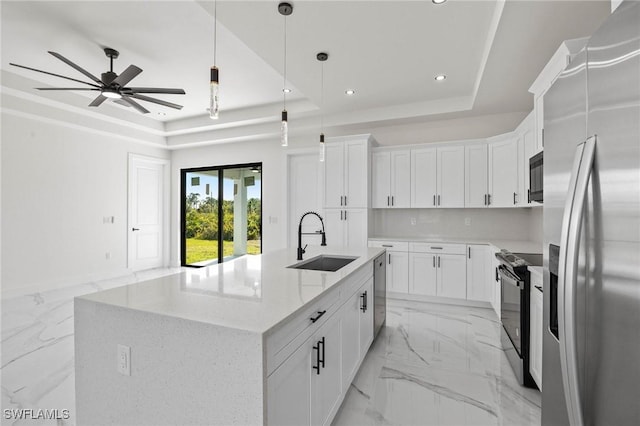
(215, 30)
(322, 97)
(284, 80)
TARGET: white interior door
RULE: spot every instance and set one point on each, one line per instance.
(147, 215)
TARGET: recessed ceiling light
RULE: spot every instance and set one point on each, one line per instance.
(285, 90)
(438, 1)
(350, 92)
(160, 113)
(441, 77)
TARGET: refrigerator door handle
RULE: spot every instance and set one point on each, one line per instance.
(567, 274)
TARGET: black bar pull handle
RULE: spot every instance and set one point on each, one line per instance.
(389, 258)
(485, 199)
(434, 261)
(469, 252)
(345, 200)
(438, 261)
(514, 198)
(317, 366)
(528, 196)
(135, 229)
(497, 277)
(392, 203)
(438, 199)
(488, 199)
(320, 314)
(363, 306)
(434, 200)
(321, 360)
(388, 201)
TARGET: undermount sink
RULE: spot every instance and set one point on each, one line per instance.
(324, 263)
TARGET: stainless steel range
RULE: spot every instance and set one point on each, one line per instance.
(514, 284)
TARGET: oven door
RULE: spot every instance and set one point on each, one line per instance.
(512, 288)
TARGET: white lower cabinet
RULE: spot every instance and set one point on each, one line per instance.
(397, 259)
(479, 285)
(308, 387)
(535, 331)
(438, 270)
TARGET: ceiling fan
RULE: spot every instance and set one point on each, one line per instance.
(112, 85)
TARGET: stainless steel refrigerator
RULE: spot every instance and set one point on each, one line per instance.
(591, 344)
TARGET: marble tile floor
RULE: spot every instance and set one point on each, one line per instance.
(432, 364)
(37, 359)
(437, 364)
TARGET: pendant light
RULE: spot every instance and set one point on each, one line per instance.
(214, 105)
(285, 10)
(322, 57)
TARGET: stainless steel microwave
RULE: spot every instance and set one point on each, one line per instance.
(535, 178)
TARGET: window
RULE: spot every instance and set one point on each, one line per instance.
(221, 213)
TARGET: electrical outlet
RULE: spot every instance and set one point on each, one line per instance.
(467, 221)
(124, 360)
(107, 255)
(414, 221)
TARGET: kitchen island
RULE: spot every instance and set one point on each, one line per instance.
(249, 341)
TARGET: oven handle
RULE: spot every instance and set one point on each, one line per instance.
(509, 278)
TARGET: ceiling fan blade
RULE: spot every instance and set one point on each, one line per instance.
(97, 101)
(121, 102)
(66, 88)
(135, 105)
(77, 67)
(127, 75)
(55, 75)
(156, 101)
(153, 90)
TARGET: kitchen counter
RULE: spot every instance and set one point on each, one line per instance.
(200, 347)
(251, 293)
(514, 246)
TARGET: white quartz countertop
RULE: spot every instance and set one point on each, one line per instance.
(251, 293)
(514, 246)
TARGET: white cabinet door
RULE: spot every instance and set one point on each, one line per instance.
(398, 272)
(452, 276)
(356, 230)
(423, 177)
(381, 180)
(526, 150)
(535, 338)
(400, 179)
(333, 175)
(288, 390)
(356, 179)
(476, 175)
(422, 273)
(326, 387)
(478, 273)
(450, 177)
(366, 317)
(495, 284)
(334, 227)
(503, 172)
(350, 339)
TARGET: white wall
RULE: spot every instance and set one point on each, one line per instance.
(58, 182)
(274, 198)
(509, 224)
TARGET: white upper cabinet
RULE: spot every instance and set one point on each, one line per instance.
(346, 174)
(503, 172)
(437, 177)
(450, 177)
(526, 149)
(476, 189)
(424, 177)
(391, 179)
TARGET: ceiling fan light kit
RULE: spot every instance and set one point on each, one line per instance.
(111, 85)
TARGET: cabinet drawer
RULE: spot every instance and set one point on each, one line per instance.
(285, 340)
(439, 248)
(390, 245)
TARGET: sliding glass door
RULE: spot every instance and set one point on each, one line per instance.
(221, 213)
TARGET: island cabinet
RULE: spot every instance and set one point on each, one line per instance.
(248, 342)
(308, 386)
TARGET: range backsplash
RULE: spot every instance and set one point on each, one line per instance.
(508, 224)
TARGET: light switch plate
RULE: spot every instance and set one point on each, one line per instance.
(124, 360)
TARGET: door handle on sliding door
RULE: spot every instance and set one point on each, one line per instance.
(567, 275)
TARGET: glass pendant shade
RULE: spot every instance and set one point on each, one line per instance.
(321, 146)
(214, 106)
(284, 138)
